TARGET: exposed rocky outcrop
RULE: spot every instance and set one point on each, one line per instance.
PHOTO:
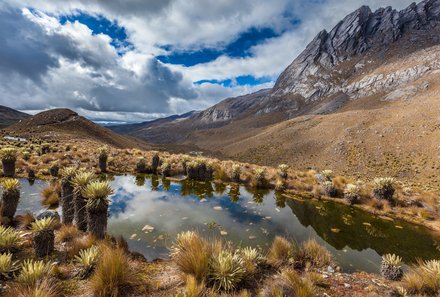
(366, 37)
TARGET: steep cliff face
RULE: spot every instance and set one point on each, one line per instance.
(364, 37)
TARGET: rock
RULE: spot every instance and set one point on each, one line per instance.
(223, 233)
(148, 229)
(347, 286)
(217, 208)
(49, 214)
(133, 236)
(330, 269)
(311, 77)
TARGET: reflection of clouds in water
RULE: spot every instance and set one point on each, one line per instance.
(169, 213)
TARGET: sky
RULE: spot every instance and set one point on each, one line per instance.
(137, 60)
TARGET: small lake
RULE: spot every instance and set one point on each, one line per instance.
(149, 212)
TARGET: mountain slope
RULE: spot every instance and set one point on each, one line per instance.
(65, 124)
(8, 116)
(375, 74)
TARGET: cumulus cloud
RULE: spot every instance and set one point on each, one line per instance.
(46, 63)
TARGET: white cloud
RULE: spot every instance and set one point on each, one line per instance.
(46, 64)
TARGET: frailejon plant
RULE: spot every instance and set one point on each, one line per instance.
(141, 165)
(352, 193)
(283, 170)
(391, 267)
(87, 260)
(155, 161)
(7, 266)
(383, 188)
(260, 177)
(43, 237)
(236, 172)
(33, 271)
(165, 169)
(226, 270)
(79, 182)
(102, 158)
(9, 239)
(8, 156)
(252, 258)
(10, 197)
(97, 193)
(54, 169)
(329, 189)
(327, 175)
(67, 202)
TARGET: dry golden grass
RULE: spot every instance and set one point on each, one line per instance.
(67, 233)
(43, 288)
(281, 252)
(113, 274)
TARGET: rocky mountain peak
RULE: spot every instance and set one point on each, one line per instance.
(315, 72)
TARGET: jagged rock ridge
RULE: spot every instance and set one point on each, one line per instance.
(314, 73)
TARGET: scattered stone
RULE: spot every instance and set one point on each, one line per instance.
(49, 214)
(133, 236)
(217, 208)
(223, 233)
(148, 229)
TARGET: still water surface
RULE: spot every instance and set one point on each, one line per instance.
(149, 212)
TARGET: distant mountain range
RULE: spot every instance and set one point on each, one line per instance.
(351, 101)
(9, 116)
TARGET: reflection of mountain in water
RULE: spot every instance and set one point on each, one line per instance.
(360, 230)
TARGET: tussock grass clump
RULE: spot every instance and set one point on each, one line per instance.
(294, 285)
(200, 170)
(87, 260)
(80, 243)
(383, 188)
(352, 193)
(192, 253)
(42, 288)
(423, 278)
(25, 220)
(33, 271)
(226, 270)
(43, 237)
(313, 254)
(391, 267)
(10, 197)
(9, 239)
(155, 161)
(113, 273)
(281, 252)
(280, 185)
(7, 266)
(67, 233)
(51, 195)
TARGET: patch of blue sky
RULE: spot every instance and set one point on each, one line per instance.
(239, 48)
(101, 25)
(248, 80)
